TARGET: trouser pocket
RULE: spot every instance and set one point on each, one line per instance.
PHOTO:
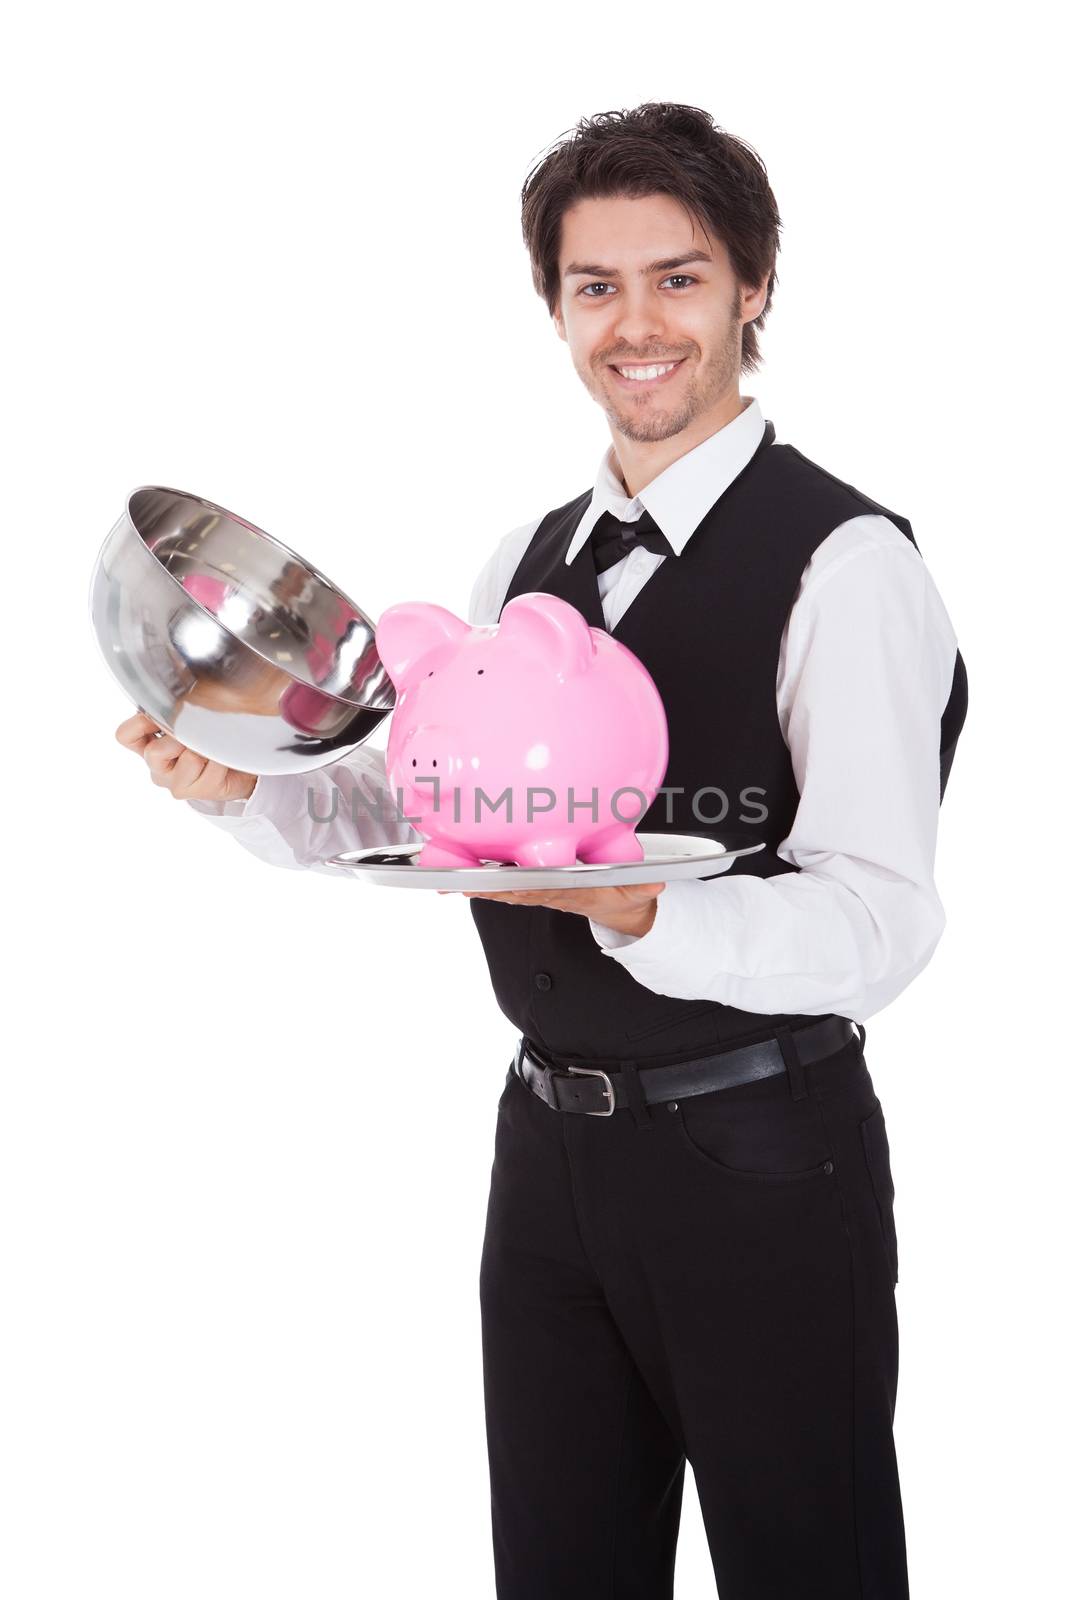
(876, 1150)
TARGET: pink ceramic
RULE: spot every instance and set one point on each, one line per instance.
(539, 710)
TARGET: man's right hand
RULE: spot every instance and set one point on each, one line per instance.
(175, 767)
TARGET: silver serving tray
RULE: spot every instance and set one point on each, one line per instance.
(667, 856)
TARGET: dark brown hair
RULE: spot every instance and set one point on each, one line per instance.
(658, 148)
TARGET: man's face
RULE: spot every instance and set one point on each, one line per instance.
(613, 312)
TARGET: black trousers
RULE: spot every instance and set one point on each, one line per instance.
(716, 1285)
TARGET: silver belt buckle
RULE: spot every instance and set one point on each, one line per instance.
(594, 1072)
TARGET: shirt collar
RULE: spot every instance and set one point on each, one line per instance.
(681, 496)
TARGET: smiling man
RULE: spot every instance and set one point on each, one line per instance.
(690, 1251)
(661, 401)
(708, 1272)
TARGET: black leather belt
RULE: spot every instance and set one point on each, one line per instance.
(596, 1092)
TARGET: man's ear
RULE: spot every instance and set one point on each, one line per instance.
(560, 329)
(753, 300)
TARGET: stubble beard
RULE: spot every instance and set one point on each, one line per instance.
(649, 424)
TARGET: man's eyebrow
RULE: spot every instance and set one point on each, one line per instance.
(579, 269)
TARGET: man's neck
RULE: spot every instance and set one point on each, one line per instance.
(637, 463)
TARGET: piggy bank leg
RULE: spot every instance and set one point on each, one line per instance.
(546, 853)
(439, 855)
(613, 846)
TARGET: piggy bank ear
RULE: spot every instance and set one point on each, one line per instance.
(548, 629)
(407, 633)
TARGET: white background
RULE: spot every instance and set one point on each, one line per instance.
(272, 255)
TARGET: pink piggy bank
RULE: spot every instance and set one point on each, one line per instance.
(536, 740)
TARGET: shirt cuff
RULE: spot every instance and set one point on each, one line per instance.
(237, 810)
(653, 943)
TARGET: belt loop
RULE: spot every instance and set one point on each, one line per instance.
(863, 1036)
(794, 1066)
(635, 1094)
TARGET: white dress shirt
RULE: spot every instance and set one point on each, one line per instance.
(864, 673)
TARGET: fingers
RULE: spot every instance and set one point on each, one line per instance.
(188, 777)
(161, 755)
(524, 897)
(172, 765)
(194, 777)
(137, 732)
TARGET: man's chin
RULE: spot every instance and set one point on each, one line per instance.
(649, 427)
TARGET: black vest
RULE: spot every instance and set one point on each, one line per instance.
(708, 625)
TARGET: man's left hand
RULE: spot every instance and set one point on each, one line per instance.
(628, 908)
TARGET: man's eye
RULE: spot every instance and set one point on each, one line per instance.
(675, 277)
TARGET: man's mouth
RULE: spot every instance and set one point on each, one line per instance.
(645, 374)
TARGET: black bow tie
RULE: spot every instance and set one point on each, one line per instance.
(613, 539)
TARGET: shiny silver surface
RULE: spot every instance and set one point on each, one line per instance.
(667, 856)
(230, 640)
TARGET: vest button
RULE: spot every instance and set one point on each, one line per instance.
(543, 981)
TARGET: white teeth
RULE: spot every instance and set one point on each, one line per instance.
(643, 373)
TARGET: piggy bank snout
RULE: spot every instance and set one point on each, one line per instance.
(429, 750)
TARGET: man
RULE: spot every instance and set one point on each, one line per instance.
(690, 1249)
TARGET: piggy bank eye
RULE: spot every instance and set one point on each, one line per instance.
(430, 673)
(480, 671)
